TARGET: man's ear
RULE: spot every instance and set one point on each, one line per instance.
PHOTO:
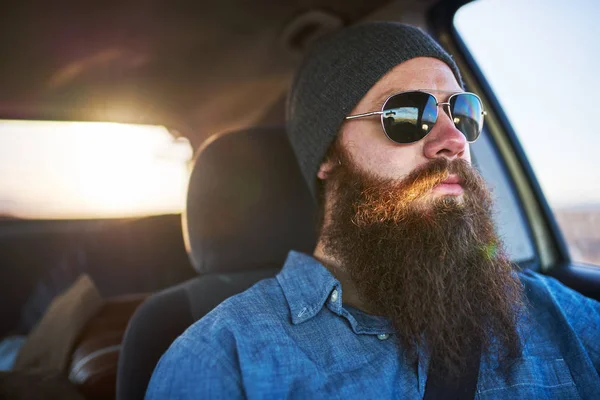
(325, 168)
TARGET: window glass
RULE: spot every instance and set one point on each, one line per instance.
(509, 220)
(541, 60)
(58, 170)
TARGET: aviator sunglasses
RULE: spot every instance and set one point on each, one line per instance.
(408, 117)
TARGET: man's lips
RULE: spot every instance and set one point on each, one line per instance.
(451, 180)
(451, 185)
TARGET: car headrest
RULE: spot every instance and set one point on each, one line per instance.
(247, 203)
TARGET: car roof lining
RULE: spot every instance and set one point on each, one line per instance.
(200, 67)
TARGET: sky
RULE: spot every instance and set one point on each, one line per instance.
(541, 57)
(542, 60)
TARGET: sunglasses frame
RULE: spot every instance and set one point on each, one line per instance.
(437, 103)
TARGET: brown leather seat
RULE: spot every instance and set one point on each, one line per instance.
(93, 367)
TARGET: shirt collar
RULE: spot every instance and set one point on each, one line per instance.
(307, 285)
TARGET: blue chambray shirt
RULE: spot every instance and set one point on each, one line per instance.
(292, 337)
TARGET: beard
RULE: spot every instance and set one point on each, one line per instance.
(433, 265)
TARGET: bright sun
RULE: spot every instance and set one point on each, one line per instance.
(54, 170)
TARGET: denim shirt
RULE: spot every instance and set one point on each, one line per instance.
(292, 337)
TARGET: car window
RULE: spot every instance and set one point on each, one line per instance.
(509, 220)
(540, 59)
(75, 170)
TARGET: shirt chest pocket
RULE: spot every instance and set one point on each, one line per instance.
(531, 378)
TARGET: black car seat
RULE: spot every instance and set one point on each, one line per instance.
(247, 206)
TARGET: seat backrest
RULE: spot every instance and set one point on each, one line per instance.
(247, 207)
(165, 316)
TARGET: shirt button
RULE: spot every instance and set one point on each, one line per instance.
(334, 295)
(383, 336)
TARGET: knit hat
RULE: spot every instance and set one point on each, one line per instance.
(336, 74)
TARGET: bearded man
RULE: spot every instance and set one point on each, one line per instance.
(409, 292)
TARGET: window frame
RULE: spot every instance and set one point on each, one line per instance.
(549, 244)
(551, 247)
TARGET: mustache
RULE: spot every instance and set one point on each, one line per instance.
(388, 199)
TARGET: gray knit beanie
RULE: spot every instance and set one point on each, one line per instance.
(336, 74)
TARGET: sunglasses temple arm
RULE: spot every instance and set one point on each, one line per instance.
(364, 115)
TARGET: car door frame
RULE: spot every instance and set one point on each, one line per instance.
(552, 253)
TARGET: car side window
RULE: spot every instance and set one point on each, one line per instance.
(540, 58)
(510, 222)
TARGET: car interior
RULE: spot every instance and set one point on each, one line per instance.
(217, 74)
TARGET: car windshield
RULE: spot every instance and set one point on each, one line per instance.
(80, 170)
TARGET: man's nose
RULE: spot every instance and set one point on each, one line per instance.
(445, 140)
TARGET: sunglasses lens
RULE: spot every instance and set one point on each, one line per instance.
(408, 117)
(467, 113)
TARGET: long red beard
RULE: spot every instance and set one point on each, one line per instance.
(435, 267)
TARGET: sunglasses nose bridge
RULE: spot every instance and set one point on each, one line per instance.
(446, 108)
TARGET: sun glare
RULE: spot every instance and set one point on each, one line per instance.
(51, 170)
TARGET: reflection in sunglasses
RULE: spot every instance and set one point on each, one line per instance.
(403, 115)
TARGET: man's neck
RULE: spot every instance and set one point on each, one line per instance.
(350, 295)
